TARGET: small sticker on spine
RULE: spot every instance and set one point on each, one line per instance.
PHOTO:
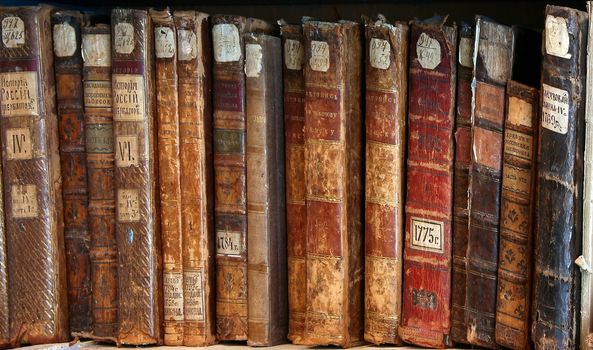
(128, 205)
(253, 60)
(379, 53)
(126, 151)
(466, 52)
(13, 32)
(124, 38)
(294, 54)
(427, 234)
(193, 294)
(555, 107)
(228, 243)
(227, 46)
(187, 45)
(19, 144)
(24, 201)
(319, 60)
(428, 51)
(128, 97)
(97, 94)
(164, 42)
(557, 38)
(96, 50)
(173, 295)
(18, 94)
(64, 40)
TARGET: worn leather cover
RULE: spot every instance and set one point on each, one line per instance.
(426, 318)
(197, 187)
(386, 88)
(96, 54)
(334, 179)
(32, 183)
(68, 71)
(517, 216)
(267, 284)
(136, 164)
(560, 179)
(492, 70)
(296, 219)
(4, 320)
(463, 139)
(169, 171)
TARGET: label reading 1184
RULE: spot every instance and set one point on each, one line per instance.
(427, 234)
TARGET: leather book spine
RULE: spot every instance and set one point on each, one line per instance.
(296, 219)
(169, 171)
(334, 175)
(517, 216)
(386, 100)
(556, 300)
(426, 319)
(492, 70)
(230, 201)
(96, 54)
(463, 139)
(136, 180)
(38, 309)
(266, 203)
(197, 186)
(4, 308)
(69, 94)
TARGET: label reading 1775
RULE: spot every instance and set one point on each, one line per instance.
(427, 234)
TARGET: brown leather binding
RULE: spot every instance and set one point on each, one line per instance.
(4, 320)
(137, 229)
(386, 100)
(32, 182)
(197, 188)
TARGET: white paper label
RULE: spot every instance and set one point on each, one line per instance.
(428, 51)
(187, 45)
(124, 38)
(24, 201)
(164, 42)
(319, 60)
(227, 47)
(380, 53)
(555, 106)
(173, 295)
(253, 60)
(126, 151)
(64, 40)
(13, 32)
(427, 234)
(128, 97)
(294, 54)
(466, 52)
(96, 50)
(128, 207)
(193, 294)
(228, 243)
(19, 144)
(18, 94)
(557, 39)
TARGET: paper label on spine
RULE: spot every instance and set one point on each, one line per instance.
(520, 112)
(128, 205)
(97, 94)
(428, 51)
(427, 234)
(193, 294)
(164, 42)
(64, 40)
(24, 201)
(18, 94)
(124, 38)
(294, 54)
(228, 243)
(253, 60)
(173, 295)
(126, 151)
(187, 45)
(466, 52)
(557, 38)
(380, 53)
(319, 60)
(13, 32)
(227, 46)
(128, 97)
(19, 144)
(555, 107)
(96, 50)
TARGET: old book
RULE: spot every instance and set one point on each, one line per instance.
(556, 298)
(585, 261)
(37, 291)
(386, 100)
(294, 126)
(492, 69)
(517, 216)
(4, 320)
(197, 187)
(429, 200)
(98, 122)
(463, 138)
(267, 283)
(68, 72)
(136, 182)
(333, 176)
(169, 171)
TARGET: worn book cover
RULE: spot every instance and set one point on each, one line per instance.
(4, 320)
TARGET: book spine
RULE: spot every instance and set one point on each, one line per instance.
(296, 219)
(229, 177)
(429, 200)
(334, 170)
(96, 53)
(4, 308)
(69, 94)
(517, 216)
(491, 73)
(463, 139)
(38, 308)
(560, 180)
(137, 228)
(386, 100)
(266, 210)
(197, 187)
